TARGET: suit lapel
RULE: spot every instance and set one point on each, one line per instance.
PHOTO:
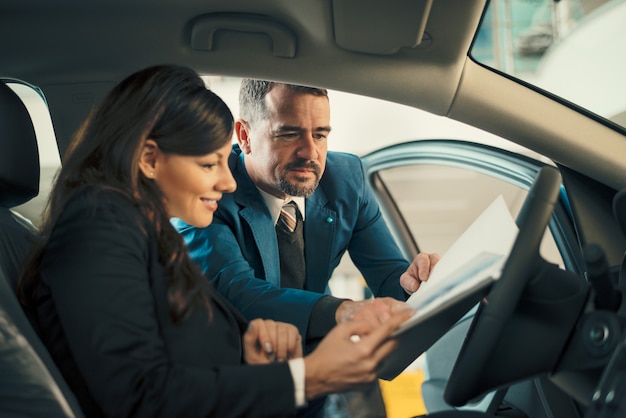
(319, 232)
(255, 213)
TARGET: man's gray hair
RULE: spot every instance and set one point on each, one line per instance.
(252, 97)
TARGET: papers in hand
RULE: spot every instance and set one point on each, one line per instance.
(474, 261)
(456, 284)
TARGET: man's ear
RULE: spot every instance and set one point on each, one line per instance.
(149, 158)
(242, 129)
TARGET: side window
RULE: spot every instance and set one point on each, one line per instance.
(431, 191)
(439, 202)
(49, 159)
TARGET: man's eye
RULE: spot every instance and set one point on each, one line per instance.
(288, 137)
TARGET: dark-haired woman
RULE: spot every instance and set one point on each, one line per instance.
(127, 316)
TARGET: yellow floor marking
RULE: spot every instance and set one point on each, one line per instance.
(403, 395)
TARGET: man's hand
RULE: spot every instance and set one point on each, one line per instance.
(418, 271)
(267, 341)
(350, 354)
(375, 311)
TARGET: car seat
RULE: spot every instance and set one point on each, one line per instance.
(30, 383)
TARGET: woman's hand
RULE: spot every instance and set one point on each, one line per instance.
(349, 355)
(267, 341)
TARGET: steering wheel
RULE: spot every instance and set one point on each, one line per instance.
(465, 382)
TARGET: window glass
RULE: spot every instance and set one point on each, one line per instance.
(572, 48)
(439, 202)
(48, 152)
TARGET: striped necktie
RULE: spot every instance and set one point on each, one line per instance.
(290, 235)
(288, 216)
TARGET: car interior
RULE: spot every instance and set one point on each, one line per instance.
(31, 382)
(544, 341)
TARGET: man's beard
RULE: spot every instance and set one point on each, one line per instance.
(299, 187)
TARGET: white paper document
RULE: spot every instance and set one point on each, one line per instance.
(474, 261)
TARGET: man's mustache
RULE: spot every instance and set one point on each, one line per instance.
(302, 163)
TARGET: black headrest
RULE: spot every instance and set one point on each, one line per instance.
(19, 156)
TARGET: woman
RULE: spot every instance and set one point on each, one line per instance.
(127, 316)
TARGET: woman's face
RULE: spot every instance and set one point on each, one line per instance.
(193, 185)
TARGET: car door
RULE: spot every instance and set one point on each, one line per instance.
(430, 191)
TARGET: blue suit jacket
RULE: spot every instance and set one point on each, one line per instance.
(239, 251)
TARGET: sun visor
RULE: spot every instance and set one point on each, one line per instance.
(379, 27)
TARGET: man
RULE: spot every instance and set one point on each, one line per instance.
(282, 156)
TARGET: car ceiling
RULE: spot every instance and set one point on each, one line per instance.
(70, 42)
(75, 51)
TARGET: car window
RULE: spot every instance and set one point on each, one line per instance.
(49, 159)
(434, 200)
(437, 188)
(571, 48)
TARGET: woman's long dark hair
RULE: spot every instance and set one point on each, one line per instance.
(170, 105)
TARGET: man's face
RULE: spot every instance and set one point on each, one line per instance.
(285, 154)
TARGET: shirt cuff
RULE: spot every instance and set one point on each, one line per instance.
(298, 373)
(322, 318)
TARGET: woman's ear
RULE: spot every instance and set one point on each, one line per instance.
(149, 158)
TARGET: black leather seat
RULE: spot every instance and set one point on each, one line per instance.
(30, 383)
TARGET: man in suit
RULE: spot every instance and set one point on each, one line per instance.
(282, 156)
